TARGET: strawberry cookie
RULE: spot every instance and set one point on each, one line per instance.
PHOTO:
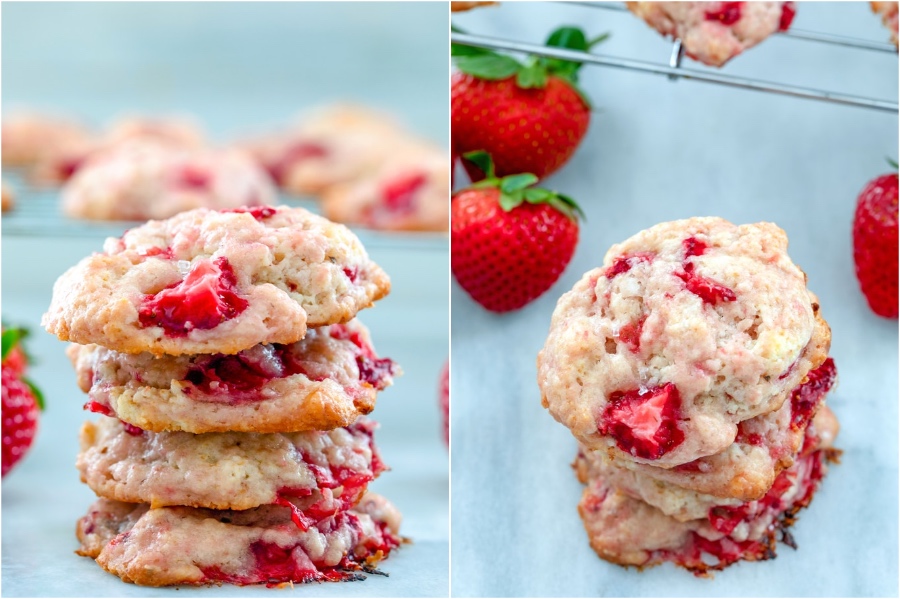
(229, 470)
(625, 530)
(690, 328)
(328, 146)
(409, 192)
(192, 546)
(143, 179)
(716, 32)
(216, 282)
(62, 162)
(324, 381)
(28, 137)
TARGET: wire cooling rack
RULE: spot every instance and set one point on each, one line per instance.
(674, 69)
(38, 213)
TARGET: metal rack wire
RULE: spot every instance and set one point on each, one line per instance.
(674, 70)
(38, 213)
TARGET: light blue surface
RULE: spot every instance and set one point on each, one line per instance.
(238, 67)
(658, 151)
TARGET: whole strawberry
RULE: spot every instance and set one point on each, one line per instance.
(529, 117)
(875, 244)
(509, 241)
(21, 404)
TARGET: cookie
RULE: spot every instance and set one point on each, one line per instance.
(28, 137)
(192, 546)
(629, 532)
(216, 282)
(328, 146)
(142, 179)
(62, 162)
(409, 192)
(681, 501)
(229, 470)
(688, 329)
(888, 12)
(764, 446)
(324, 381)
(8, 197)
(715, 32)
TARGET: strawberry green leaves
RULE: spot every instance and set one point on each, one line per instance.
(516, 189)
(533, 74)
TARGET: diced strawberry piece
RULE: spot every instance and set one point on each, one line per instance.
(203, 300)
(352, 273)
(230, 374)
(630, 334)
(375, 372)
(644, 422)
(158, 252)
(302, 521)
(131, 429)
(399, 195)
(707, 289)
(725, 519)
(193, 177)
(787, 16)
(257, 212)
(728, 13)
(623, 264)
(806, 397)
(693, 247)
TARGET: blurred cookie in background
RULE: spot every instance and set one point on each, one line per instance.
(409, 192)
(153, 179)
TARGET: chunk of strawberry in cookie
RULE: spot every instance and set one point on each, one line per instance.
(728, 13)
(806, 397)
(706, 289)
(623, 264)
(203, 300)
(644, 422)
(399, 195)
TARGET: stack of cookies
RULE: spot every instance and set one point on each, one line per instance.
(222, 349)
(692, 368)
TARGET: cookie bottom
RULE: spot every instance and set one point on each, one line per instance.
(193, 546)
(629, 532)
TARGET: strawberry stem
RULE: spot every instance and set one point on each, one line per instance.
(515, 189)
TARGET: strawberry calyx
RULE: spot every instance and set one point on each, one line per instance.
(535, 71)
(518, 188)
(11, 339)
(892, 162)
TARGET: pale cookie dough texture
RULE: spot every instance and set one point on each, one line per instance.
(28, 137)
(409, 192)
(324, 381)
(143, 179)
(226, 470)
(216, 282)
(191, 546)
(715, 32)
(688, 329)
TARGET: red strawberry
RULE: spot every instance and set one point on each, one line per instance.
(875, 244)
(644, 422)
(509, 241)
(530, 118)
(21, 405)
(17, 359)
(444, 397)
